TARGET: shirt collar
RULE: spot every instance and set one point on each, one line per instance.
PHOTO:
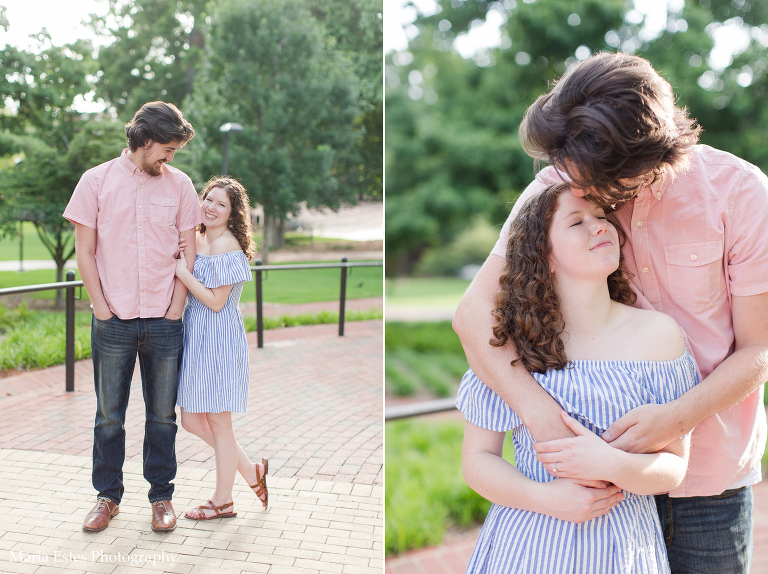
(127, 164)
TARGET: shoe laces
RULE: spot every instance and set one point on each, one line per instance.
(159, 503)
(102, 501)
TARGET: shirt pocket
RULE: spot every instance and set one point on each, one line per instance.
(695, 271)
(162, 210)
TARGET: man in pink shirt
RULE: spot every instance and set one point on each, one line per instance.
(696, 227)
(128, 215)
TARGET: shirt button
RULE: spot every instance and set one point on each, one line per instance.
(658, 195)
(694, 257)
(139, 226)
(639, 223)
(139, 206)
(646, 269)
(141, 249)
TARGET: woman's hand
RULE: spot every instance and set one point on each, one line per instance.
(585, 456)
(182, 244)
(567, 499)
(181, 264)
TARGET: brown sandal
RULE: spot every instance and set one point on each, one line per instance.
(261, 483)
(210, 506)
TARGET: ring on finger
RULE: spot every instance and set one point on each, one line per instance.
(554, 468)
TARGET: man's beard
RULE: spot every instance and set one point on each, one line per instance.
(154, 169)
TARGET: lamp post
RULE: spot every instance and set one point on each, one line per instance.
(225, 129)
(21, 248)
(17, 161)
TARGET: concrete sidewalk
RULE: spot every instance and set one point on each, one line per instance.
(314, 410)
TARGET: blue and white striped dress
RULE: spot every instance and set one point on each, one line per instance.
(214, 369)
(596, 393)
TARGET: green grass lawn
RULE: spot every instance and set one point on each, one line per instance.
(33, 247)
(287, 287)
(425, 291)
(423, 357)
(426, 492)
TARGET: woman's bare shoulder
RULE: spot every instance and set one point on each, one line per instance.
(655, 336)
(227, 242)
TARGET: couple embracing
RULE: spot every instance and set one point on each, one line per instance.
(629, 290)
(145, 245)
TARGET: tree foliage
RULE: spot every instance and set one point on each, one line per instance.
(356, 27)
(155, 53)
(294, 93)
(50, 141)
(452, 144)
(38, 188)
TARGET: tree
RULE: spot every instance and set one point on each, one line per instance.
(39, 87)
(53, 141)
(294, 93)
(356, 27)
(156, 52)
(38, 188)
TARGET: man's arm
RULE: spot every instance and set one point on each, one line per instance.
(85, 250)
(650, 428)
(176, 309)
(473, 324)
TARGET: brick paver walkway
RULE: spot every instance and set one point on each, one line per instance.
(314, 409)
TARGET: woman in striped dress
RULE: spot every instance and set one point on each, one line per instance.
(564, 304)
(213, 380)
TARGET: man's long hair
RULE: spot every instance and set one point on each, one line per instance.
(159, 122)
(527, 305)
(612, 125)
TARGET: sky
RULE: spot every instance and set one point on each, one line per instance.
(64, 21)
(62, 18)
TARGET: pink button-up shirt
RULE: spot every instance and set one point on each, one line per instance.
(692, 244)
(138, 219)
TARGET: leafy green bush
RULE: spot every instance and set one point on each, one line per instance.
(319, 318)
(425, 356)
(37, 339)
(471, 246)
(423, 337)
(426, 492)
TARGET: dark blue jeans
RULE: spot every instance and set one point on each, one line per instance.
(708, 534)
(115, 344)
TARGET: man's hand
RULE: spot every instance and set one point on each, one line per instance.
(647, 428)
(102, 314)
(173, 314)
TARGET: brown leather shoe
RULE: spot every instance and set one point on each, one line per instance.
(98, 518)
(163, 516)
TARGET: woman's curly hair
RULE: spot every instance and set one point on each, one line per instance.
(240, 216)
(527, 305)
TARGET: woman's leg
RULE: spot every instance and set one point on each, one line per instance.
(226, 449)
(197, 424)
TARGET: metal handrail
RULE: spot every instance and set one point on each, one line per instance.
(69, 285)
(258, 269)
(418, 409)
